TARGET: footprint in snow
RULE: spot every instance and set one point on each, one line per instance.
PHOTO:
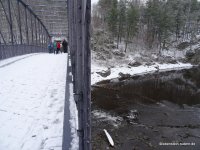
(56, 121)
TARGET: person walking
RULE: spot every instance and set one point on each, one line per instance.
(58, 47)
(65, 46)
(54, 47)
(50, 47)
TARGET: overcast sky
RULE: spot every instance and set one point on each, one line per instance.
(94, 1)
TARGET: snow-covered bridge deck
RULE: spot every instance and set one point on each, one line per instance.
(32, 97)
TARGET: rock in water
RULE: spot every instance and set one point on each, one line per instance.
(190, 54)
(104, 73)
(124, 75)
(134, 63)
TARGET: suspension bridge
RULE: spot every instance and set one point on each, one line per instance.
(44, 98)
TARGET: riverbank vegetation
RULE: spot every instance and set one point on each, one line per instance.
(153, 25)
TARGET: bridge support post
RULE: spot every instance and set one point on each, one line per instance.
(11, 23)
(79, 39)
(87, 72)
(26, 22)
(36, 35)
(32, 39)
(20, 24)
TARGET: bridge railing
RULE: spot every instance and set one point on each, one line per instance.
(79, 18)
(21, 31)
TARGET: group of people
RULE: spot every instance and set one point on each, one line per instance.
(55, 47)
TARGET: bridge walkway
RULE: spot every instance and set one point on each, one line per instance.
(32, 103)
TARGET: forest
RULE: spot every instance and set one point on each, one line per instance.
(154, 24)
(145, 74)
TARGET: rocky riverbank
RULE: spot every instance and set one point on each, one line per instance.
(148, 112)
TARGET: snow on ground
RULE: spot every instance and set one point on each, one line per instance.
(175, 53)
(9, 61)
(32, 93)
(73, 120)
(143, 69)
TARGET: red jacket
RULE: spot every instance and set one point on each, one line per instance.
(58, 44)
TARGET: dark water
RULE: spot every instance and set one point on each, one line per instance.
(179, 87)
(167, 107)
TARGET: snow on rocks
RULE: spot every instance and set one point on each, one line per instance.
(104, 73)
(118, 53)
(134, 63)
(117, 71)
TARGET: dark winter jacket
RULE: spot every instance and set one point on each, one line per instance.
(64, 44)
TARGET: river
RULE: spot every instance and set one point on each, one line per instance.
(152, 111)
